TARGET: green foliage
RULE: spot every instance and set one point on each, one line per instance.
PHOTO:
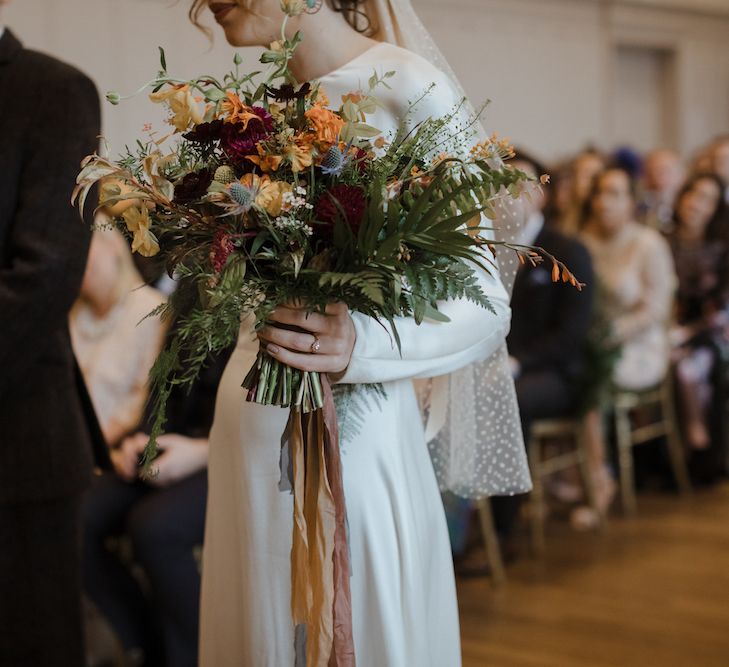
(354, 404)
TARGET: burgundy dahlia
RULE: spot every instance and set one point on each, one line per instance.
(193, 186)
(341, 199)
(206, 133)
(221, 249)
(238, 144)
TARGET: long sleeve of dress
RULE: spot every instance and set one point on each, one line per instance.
(431, 348)
(658, 283)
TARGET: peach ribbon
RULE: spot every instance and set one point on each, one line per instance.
(320, 594)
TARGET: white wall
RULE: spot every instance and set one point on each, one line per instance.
(545, 64)
(548, 64)
(115, 42)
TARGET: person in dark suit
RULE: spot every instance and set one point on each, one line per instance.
(549, 329)
(49, 120)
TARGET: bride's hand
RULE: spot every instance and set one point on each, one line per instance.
(326, 347)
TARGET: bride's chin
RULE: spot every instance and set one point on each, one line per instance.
(238, 38)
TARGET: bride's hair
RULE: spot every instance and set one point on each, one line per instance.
(352, 10)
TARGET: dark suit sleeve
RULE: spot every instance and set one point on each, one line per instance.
(47, 240)
(572, 320)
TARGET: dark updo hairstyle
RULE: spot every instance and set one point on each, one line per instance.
(718, 227)
(352, 10)
(587, 209)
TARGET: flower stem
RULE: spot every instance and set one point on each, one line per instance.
(269, 382)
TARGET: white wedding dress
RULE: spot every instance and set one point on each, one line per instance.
(403, 590)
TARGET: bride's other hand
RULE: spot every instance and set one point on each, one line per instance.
(327, 345)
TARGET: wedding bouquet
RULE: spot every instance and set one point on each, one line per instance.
(264, 194)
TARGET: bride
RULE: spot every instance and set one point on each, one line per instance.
(404, 609)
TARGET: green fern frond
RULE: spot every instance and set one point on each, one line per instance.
(354, 404)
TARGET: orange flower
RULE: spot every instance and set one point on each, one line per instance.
(138, 223)
(355, 98)
(236, 111)
(269, 194)
(322, 99)
(267, 163)
(420, 178)
(183, 107)
(326, 126)
(301, 153)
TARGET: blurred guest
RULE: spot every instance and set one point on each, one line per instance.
(663, 175)
(701, 254)
(629, 160)
(581, 174)
(702, 162)
(635, 271)
(634, 264)
(720, 162)
(548, 331)
(48, 426)
(114, 340)
(164, 519)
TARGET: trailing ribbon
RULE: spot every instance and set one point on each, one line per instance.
(320, 595)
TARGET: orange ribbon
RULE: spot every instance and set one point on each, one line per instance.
(320, 594)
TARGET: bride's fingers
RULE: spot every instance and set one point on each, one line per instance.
(292, 340)
(337, 308)
(299, 317)
(320, 363)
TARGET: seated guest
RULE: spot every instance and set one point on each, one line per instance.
(663, 176)
(637, 280)
(549, 328)
(163, 519)
(580, 176)
(701, 254)
(114, 344)
(634, 264)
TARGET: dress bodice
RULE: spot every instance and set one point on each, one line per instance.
(413, 76)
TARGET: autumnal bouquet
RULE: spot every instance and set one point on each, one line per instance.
(264, 194)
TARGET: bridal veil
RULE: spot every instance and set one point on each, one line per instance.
(474, 430)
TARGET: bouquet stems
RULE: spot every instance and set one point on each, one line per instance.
(270, 382)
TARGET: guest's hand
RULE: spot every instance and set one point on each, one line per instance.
(180, 458)
(327, 345)
(125, 458)
(680, 335)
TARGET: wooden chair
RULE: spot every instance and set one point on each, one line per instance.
(491, 541)
(541, 467)
(628, 436)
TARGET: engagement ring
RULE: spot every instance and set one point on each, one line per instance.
(315, 346)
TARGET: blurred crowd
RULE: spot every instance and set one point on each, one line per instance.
(649, 234)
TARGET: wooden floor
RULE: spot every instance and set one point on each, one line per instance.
(651, 591)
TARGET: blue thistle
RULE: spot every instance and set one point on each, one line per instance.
(336, 161)
(242, 196)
